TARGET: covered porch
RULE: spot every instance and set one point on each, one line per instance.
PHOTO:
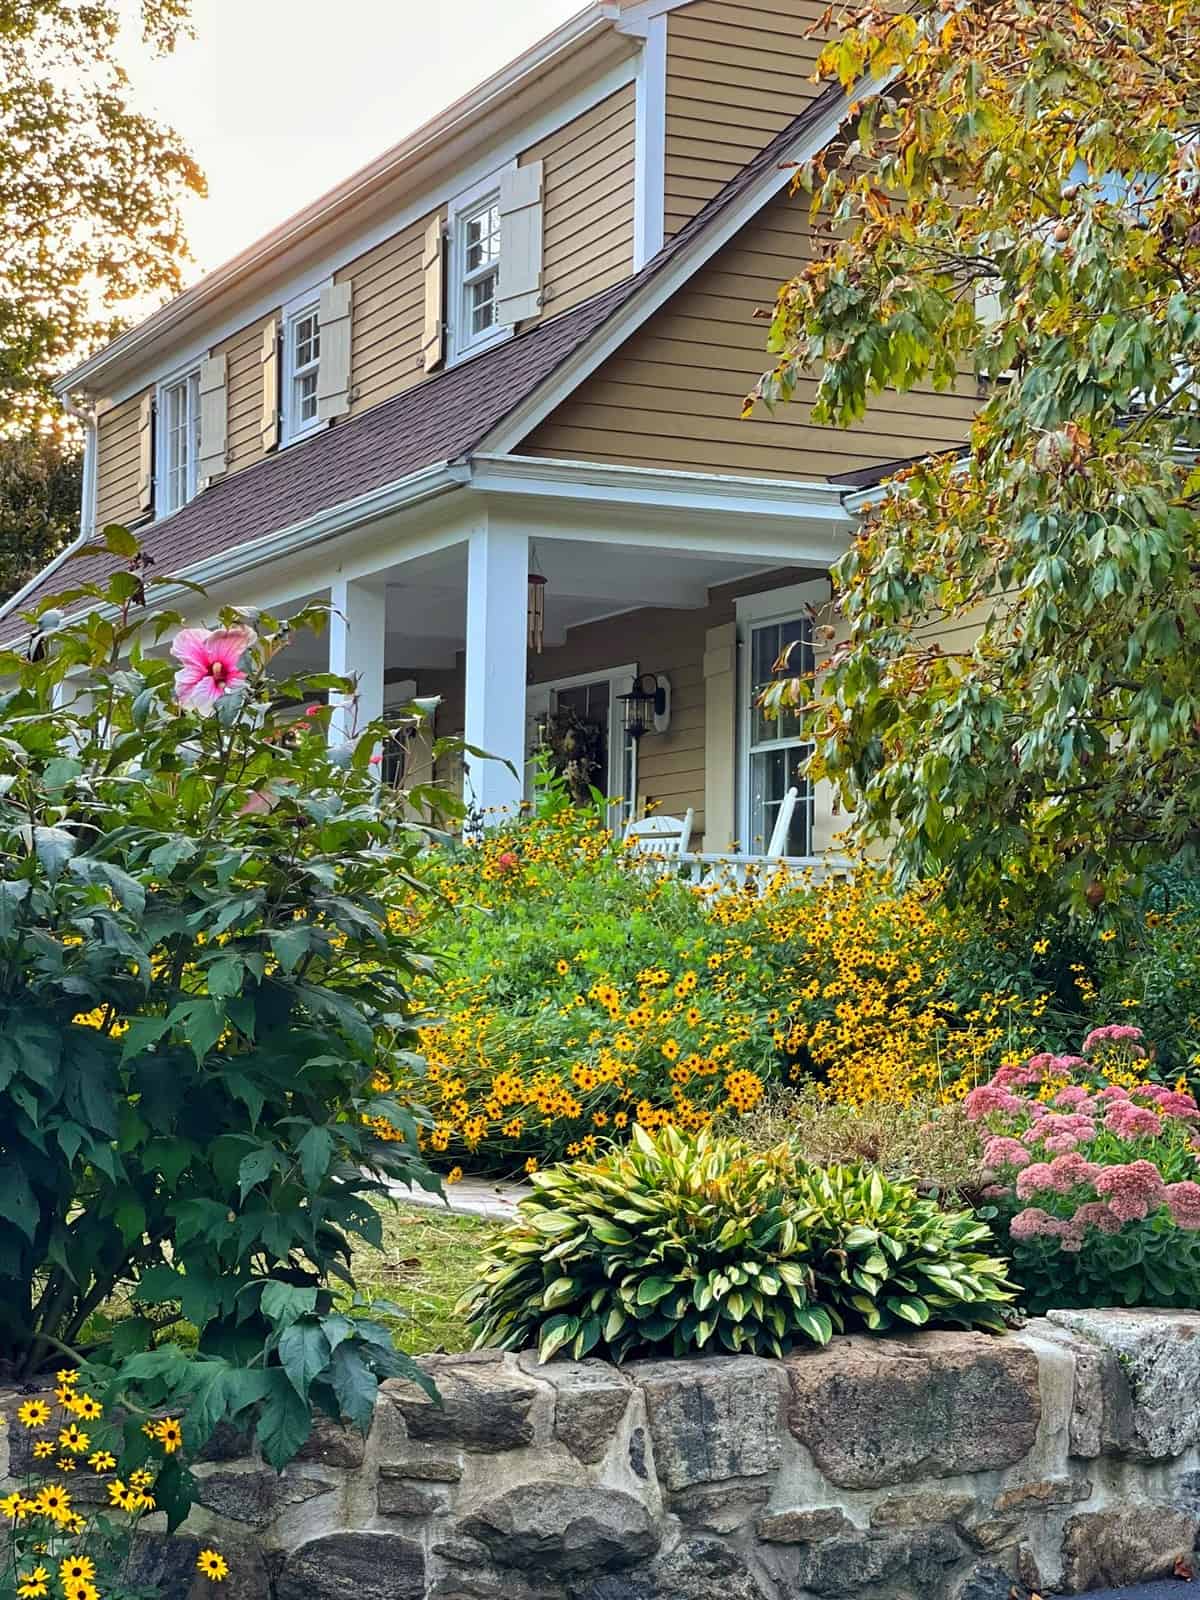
(679, 581)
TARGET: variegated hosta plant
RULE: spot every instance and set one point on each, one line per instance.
(672, 1244)
(885, 1255)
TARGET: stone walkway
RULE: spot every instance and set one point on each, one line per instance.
(471, 1197)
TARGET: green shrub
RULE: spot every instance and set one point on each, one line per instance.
(886, 1255)
(669, 1244)
(679, 1244)
(199, 987)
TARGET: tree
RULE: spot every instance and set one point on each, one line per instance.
(1017, 702)
(39, 504)
(89, 188)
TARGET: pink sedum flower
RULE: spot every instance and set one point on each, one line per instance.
(1132, 1191)
(1030, 1223)
(1183, 1202)
(1116, 1033)
(211, 665)
(1001, 1152)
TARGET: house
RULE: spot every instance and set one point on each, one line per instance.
(517, 345)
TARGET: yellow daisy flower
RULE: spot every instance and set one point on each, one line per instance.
(34, 1414)
(33, 1585)
(213, 1565)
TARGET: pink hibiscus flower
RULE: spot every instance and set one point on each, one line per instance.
(211, 665)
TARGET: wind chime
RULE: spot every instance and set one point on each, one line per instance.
(536, 605)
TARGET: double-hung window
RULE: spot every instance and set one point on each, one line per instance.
(302, 365)
(178, 441)
(481, 270)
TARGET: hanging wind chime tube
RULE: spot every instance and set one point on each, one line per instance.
(536, 611)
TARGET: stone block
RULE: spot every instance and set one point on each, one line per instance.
(1044, 1495)
(368, 1566)
(257, 1497)
(399, 1497)
(988, 1582)
(426, 1469)
(164, 1565)
(1123, 1545)
(590, 1401)
(878, 1412)
(909, 1510)
(804, 1527)
(637, 1453)
(333, 1444)
(915, 1562)
(711, 1419)
(719, 1507)
(1158, 1355)
(558, 1529)
(485, 1405)
(696, 1569)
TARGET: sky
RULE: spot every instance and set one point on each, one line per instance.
(281, 99)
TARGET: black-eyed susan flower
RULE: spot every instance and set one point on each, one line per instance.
(74, 1439)
(86, 1408)
(169, 1434)
(52, 1501)
(33, 1414)
(42, 1449)
(76, 1569)
(14, 1507)
(33, 1585)
(213, 1565)
(102, 1461)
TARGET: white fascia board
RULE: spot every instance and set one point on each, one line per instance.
(659, 288)
(633, 19)
(294, 237)
(662, 488)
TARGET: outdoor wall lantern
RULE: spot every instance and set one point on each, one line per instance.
(647, 705)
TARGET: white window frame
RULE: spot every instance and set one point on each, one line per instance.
(755, 611)
(301, 306)
(164, 504)
(460, 342)
(618, 679)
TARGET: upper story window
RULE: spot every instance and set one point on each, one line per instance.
(481, 269)
(178, 441)
(302, 365)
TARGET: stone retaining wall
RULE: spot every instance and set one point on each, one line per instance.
(941, 1466)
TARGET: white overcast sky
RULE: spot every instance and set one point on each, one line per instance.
(280, 99)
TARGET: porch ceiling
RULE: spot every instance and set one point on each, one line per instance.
(426, 597)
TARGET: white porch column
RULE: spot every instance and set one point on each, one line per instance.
(497, 624)
(357, 639)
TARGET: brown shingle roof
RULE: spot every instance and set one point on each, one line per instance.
(441, 419)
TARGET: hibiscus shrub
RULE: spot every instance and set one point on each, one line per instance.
(1093, 1171)
(199, 989)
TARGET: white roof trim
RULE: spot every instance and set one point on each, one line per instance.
(594, 19)
(613, 332)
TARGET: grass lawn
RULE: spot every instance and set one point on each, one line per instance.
(428, 1259)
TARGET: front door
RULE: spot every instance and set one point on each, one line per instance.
(579, 720)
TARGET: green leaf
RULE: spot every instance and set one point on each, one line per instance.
(54, 847)
(283, 1303)
(303, 1353)
(285, 1422)
(315, 1151)
(354, 1384)
(556, 1332)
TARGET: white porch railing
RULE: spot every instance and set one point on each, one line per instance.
(729, 873)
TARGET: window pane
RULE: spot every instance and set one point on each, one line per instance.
(307, 340)
(772, 774)
(306, 397)
(481, 299)
(767, 645)
(483, 238)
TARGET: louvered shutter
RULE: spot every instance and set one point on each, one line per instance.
(214, 419)
(269, 427)
(333, 374)
(146, 454)
(433, 268)
(520, 243)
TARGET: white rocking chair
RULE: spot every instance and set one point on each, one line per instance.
(661, 836)
(777, 845)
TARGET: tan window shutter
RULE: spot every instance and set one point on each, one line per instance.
(146, 454)
(520, 243)
(269, 427)
(214, 419)
(433, 267)
(333, 374)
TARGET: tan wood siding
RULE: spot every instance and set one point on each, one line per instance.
(588, 180)
(671, 396)
(388, 316)
(117, 463)
(738, 71)
(243, 355)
